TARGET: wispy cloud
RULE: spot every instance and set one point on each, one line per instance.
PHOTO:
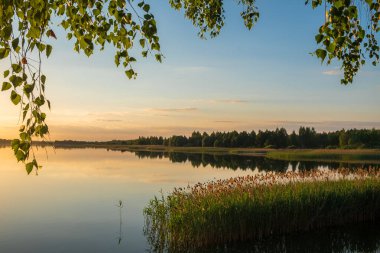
(225, 121)
(168, 110)
(222, 101)
(62, 132)
(109, 120)
(332, 72)
(109, 114)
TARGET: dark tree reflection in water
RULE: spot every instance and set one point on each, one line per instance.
(235, 162)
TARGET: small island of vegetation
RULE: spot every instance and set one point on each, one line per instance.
(235, 210)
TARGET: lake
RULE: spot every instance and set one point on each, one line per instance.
(72, 205)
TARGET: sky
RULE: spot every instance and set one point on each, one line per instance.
(241, 80)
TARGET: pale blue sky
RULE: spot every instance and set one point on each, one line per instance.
(244, 80)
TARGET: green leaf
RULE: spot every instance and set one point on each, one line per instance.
(142, 43)
(16, 68)
(6, 73)
(39, 101)
(28, 88)
(129, 73)
(49, 48)
(41, 47)
(146, 8)
(15, 80)
(158, 57)
(15, 143)
(34, 32)
(16, 98)
(7, 31)
(50, 33)
(361, 34)
(318, 38)
(20, 155)
(15, 43)
(6, 86)
(23, 136)
(156, 46)
(321, 54)
(331, 47)
(83, 43)
(29, 167)
(43, 79)
(4, 52)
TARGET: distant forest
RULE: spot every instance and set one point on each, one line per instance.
(305, 138)
(4, 142)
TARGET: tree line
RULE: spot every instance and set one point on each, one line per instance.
(306, 137)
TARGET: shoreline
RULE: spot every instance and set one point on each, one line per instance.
(317, 155)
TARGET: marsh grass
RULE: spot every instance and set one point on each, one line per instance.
(339, 155)
(249, 208)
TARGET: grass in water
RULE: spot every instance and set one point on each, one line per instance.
(339, 155)
(249, 208)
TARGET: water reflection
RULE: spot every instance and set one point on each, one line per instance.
(364, 238)
(70, 206)
(354, 238)
(240, 162)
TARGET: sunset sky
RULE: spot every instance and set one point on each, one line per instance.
(241, 80)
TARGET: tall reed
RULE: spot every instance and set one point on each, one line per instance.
(266, 204)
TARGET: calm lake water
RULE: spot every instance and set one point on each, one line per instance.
(71, 206)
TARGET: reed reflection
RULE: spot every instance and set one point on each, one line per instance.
(363, 238)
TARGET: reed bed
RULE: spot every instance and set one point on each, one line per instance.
(248, 208)
(337, 155)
